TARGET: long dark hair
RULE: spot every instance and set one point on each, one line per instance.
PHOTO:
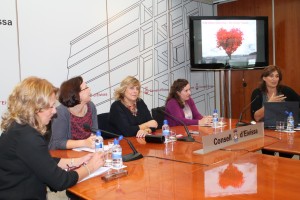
(267, 71)
(177, 86)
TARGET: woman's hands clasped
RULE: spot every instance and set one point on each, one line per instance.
(205, 121)
(96, 161)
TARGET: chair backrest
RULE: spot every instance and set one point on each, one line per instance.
(48, 133)
(158, 116)
(103, 124)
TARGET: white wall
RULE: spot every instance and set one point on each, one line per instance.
(104, 41)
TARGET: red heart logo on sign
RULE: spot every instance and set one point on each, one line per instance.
(229, 40)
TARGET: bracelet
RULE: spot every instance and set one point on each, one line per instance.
(87, 168)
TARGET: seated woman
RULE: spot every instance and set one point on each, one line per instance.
(180, 105)
(270, 90)
(129, 115)
(76, 110)
(26, 164)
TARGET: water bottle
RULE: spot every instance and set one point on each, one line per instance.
(99, 142)
(166, 130)
(290, 122)
(117, 161)
(235, 136)
(215, 119)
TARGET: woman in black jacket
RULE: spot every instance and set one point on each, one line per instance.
(26, 166)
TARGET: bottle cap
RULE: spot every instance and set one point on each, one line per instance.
(291, 114)
(165, 121)
(120, 137)
(116, 141)
(98, 133)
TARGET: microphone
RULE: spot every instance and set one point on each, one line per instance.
(189, 137)
(126, 158)
(240, 123)
(155, 138)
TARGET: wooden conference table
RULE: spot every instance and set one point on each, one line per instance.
(172, 171)
(288, 143)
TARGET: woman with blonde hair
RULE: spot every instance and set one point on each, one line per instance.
(26, 166)
(129, 115)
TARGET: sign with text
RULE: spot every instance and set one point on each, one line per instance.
(233, 136)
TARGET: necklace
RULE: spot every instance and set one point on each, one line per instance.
(132, 108)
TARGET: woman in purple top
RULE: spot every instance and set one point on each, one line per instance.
(180, 105)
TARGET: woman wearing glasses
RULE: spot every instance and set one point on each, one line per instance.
(26, 166)
(76, 109)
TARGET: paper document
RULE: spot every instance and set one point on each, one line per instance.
(88, 149)
(99, 171)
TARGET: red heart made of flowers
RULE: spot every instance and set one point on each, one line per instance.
(229, 40)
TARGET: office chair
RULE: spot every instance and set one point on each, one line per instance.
(103, 124)
(158, 116)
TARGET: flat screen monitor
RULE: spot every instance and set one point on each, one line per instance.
(228, 42)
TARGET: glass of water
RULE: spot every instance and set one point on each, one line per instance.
(290, 138)
(108, 154)
(172, 136)
(280, 126)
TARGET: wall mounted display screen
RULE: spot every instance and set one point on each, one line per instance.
(228, 42)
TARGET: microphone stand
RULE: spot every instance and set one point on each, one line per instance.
(240, 123)
(135, 155)
(187, 138)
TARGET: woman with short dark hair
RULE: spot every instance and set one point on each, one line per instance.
(76, 109)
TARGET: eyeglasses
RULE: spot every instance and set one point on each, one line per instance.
(87, 87)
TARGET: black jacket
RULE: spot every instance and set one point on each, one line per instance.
(290, 94)
(123, 122)
(26, 167)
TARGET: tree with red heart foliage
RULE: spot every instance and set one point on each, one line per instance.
(231, 176)
(229, 40)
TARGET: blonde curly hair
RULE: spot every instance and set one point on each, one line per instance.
(28, 98)
(127, 82)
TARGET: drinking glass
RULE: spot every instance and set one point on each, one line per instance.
(108, 154)
(280, 126)
(221, 121)
(172, 136)
(290, 138)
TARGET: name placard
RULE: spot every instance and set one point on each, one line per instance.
(233, 136)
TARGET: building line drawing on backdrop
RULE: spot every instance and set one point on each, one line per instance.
(139, 37)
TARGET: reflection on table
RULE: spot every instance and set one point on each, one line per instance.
(172, 171)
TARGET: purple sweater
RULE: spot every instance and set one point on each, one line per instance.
(173, 108)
